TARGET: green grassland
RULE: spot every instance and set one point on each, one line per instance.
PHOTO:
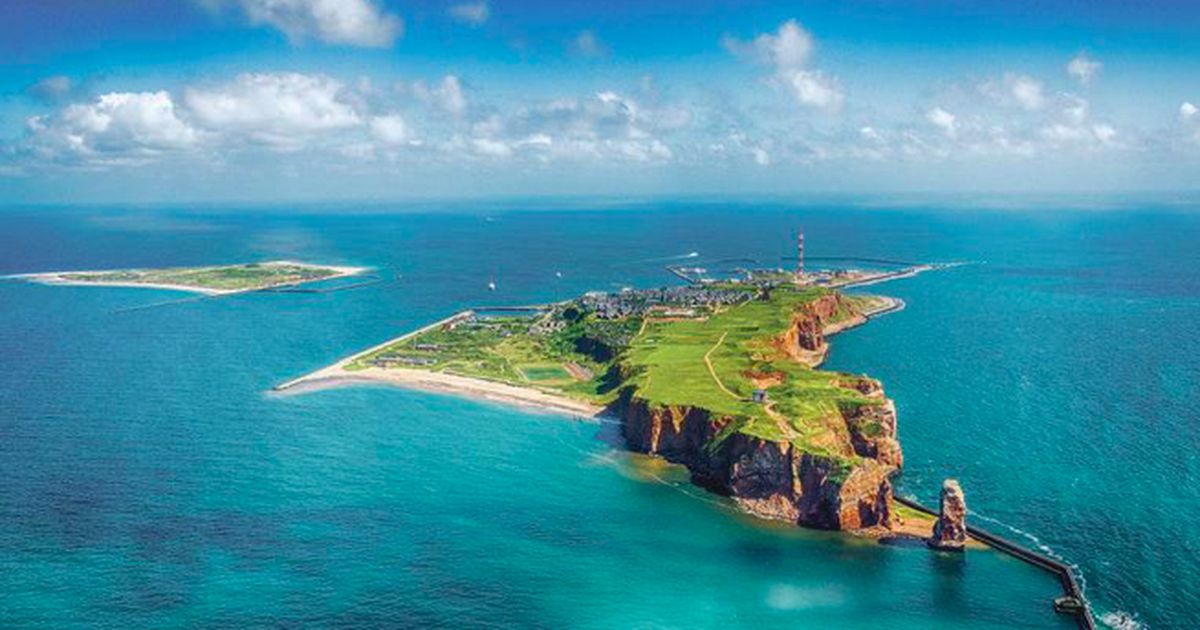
(666, 361)
(504, 349)
(668, 367)
(226, 278)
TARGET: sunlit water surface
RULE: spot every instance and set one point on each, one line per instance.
(147, 478)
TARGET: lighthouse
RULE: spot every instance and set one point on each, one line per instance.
(800, 257)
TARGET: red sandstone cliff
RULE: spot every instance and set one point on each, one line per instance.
(804, 340)
(771, 479)
(775, 479)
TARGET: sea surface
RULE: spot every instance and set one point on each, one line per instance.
(148, 478)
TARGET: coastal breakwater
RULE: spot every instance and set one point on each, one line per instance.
(1066, 577)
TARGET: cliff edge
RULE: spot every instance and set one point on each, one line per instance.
(833, 473)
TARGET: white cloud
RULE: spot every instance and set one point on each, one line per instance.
(605, 126)
(788, 50)
(448, 95)
(943, 120)
(587, 44)
(1076, 110)
(1083, 69)
(814, 89)
(349, 22)
(470, 13)
(52, 89)
(276, 109)
(1027, 92)
(1104, 133)
(1188, 111)
(116, 126)
(390, 129)
(491, 147)
(1016, 90)
(1059, 133)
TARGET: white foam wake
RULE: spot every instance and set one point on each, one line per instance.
(686, 256)
(1120, 620)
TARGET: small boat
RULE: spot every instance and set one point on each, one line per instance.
(492, 286)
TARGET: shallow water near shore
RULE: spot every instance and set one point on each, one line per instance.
(150, 479)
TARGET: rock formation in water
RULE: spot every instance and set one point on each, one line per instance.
(950, 531)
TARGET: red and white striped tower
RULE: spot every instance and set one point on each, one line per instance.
(800, 257)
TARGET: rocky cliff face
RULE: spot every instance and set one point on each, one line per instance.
(950, 531)
(804, 340)
(770, 479)
(873, 431)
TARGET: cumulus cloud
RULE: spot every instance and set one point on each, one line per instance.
(1076, 127)
(1016, 90)
(390, 129)
(470, 13)
(1083, 69)
(1062, 134)
(814, 89)
(788, 50)
(1027, 92)
(53, 89)
(317, 114)
(118, 126)
(943, 120)
(347, 22)
(587, 44)
(607, 126)
(1189, 120)
(276, 109)
(447, 95)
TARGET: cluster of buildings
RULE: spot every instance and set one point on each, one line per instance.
(679, 301)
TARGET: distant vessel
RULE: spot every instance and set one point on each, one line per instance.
(492, 285)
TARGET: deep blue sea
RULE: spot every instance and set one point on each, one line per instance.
(149, 479)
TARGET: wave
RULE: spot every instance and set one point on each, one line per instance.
(1039, 545)
(1120, 620)
(686, 256)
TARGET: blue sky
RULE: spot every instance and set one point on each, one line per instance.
(226, 100)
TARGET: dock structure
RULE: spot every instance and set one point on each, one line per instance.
(1066, 578)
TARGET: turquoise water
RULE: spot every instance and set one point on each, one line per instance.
(147, 478)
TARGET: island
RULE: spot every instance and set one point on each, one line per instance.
(215, 280)
(719, 375)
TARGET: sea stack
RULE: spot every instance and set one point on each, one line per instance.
(950, 532)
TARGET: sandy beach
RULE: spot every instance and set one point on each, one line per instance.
(58, 278)
(441, 382)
